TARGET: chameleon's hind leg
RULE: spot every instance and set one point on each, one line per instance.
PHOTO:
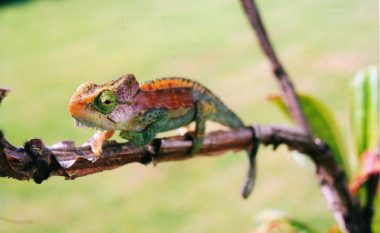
(204, 109)
(198, 137)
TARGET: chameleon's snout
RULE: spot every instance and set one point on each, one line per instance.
(83, 96)
(75, 108)
(80, 108)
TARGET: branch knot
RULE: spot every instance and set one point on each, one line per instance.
(42, 158)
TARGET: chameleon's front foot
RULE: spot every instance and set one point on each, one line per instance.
(96, 141)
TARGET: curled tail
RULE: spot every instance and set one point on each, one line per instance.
(228, 118)
(249, 182)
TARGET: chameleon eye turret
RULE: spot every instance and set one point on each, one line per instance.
(105, 102)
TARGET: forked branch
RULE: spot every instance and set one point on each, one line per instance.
(346, 209)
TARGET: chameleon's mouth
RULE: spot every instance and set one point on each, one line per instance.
(79, 124)
(83, 124)
(89, 124)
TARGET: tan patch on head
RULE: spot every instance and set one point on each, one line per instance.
(87, 92)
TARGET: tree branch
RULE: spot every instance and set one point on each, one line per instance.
(39, 162)
(331, 177)
(287, 89)
(64, 159)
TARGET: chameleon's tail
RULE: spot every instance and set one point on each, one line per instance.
(228, 118)
(249, 183)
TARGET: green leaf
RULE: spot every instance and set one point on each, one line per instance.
(365, 110)
(322, 124)
(278, 222)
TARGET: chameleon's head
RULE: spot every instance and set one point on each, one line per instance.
(94, 105)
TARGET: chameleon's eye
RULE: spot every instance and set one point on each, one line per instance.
(105, 102)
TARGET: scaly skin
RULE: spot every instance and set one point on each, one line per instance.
(141, 111)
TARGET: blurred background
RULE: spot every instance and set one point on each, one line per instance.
(48, 48)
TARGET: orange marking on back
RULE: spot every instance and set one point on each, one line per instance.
(161, 84)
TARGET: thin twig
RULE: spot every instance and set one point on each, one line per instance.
(287, 89)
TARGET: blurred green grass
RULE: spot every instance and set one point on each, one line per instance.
(48, 48)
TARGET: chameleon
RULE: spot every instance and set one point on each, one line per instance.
(142, 110)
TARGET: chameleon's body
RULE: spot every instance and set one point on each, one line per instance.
(141, 111)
